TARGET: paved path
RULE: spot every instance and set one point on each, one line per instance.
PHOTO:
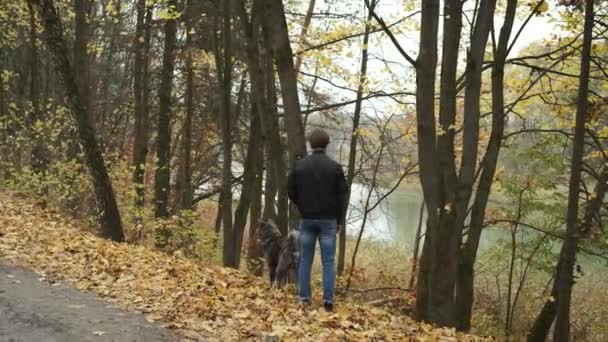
(36, 311)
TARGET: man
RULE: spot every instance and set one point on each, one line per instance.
(317, 187)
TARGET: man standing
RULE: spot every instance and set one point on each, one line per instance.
(317, 187)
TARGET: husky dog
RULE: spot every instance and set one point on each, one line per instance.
(282, 254)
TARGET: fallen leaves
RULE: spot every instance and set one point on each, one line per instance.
(210, 303)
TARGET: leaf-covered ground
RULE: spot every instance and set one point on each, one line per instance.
(208, 303)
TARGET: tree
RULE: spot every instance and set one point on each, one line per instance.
(446, 192)
(38, 162)
(260, 68)
(250, 179)
(352, 154)
(141, 44)
(224, 67)
(186, 143)
(558, 305)
(277, 38)
(109, 217)
(465, 281)
(163, 143)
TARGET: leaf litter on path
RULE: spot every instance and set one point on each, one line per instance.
(208, 303)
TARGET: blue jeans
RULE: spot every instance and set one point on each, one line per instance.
(325, 231)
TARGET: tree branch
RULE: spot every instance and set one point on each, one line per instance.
(388, 32)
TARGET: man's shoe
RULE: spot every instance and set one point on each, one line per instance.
(329, 307)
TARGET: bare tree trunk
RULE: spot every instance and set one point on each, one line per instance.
(428, 164)
(570, 245)
(140, 140)
(542, 324)
(514, 226)
(263, 92)
(276, 28)
(38, 160)
(225, 81)
(163, 139)
(82, 9)
(254, 253)
(446, 196)
(270, 187)
(249, 182)
(4, 132)
(352, 154)
(416, 253)
(2, 92)
(278, 154)
(365, 214)
(186, 195)
(109, 218)
(218, 220)
(81, 61)
(303, 33)
(465, 282)
(558, 305)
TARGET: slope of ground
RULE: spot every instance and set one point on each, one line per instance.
(207, 303)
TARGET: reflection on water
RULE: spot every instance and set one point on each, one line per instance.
(396, 220)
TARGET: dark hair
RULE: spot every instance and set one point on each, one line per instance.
(318, 138)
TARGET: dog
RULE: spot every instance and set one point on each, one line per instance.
(282, 254)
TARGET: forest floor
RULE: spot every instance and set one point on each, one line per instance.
(200, 303)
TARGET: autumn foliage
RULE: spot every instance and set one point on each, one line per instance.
(201, 302)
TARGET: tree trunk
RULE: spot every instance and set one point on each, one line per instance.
(416, 252)
(303, 33)
(163, 139)
(140, 140)
(38, 160)
(570, 245)
(250, 176)
(218, 219)
(140, 89)
(2, 92)
(270, 187)
(542, 324)
(263, 92)
(109, 215)
(254, 253)
(440, 266)
(81, 62)
(276, 28)
(186, 195)
(82, 9)
(446, 196)
(278, 154)
(352, 154)
(465, 281)
(428, 164)
(225, 82)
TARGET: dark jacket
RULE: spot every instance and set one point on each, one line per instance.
(317, 187)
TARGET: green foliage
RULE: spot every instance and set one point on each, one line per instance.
(13, 18)
(184, 234)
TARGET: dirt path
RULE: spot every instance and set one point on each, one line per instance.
(33, 310)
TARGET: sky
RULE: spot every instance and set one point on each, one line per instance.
(383, 50)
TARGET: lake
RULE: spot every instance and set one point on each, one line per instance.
(396, 220)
